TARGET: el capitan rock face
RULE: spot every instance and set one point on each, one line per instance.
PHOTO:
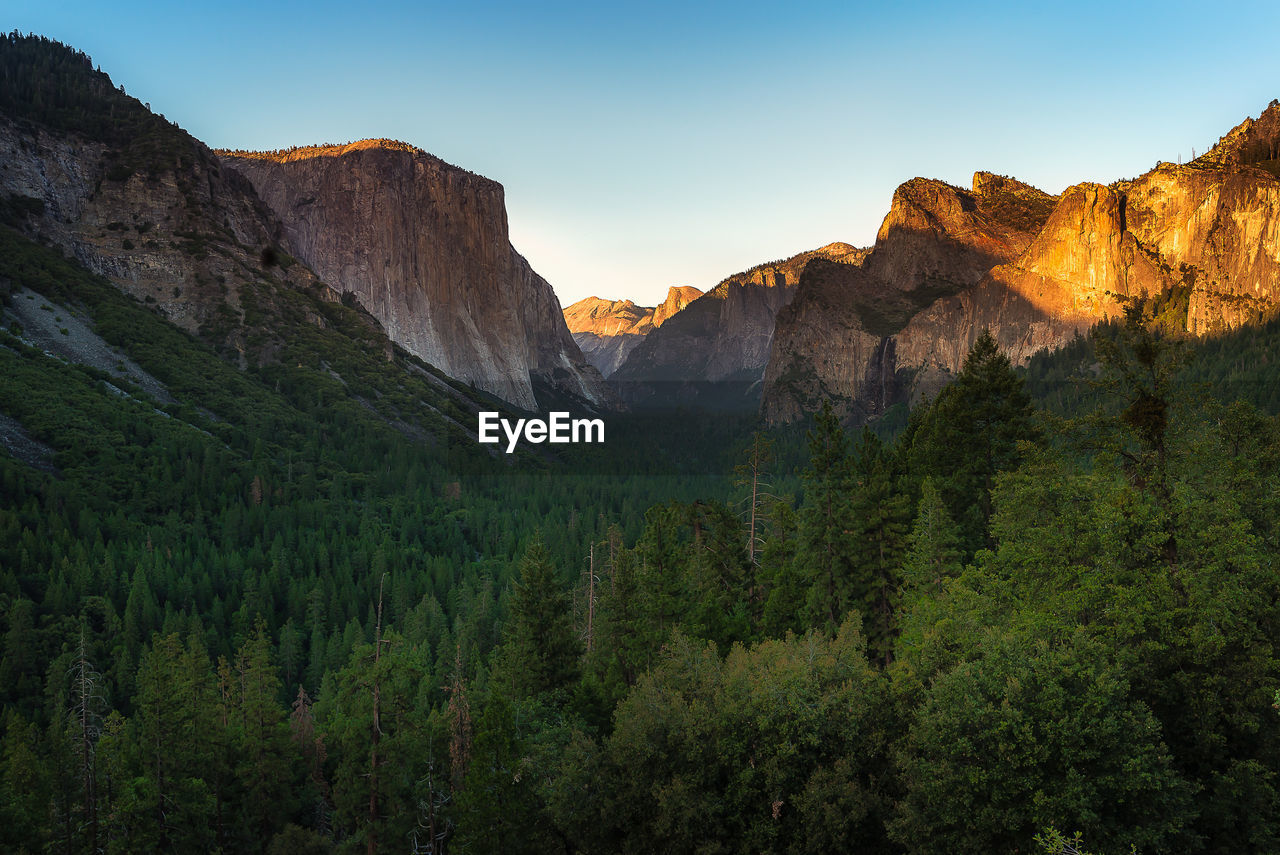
(722, 337)
(1033, 269)
(608, 330)
(423, 245)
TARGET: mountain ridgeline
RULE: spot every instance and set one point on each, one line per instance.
(1202, 238)
(713, 352)
(261, 590)
(421, 245)
(877, 329)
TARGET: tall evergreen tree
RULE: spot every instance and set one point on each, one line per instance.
(170, 803)
(261, 737)
(542, 644)
(933, 553)
(971, 432)
(825, 556)
(881, 513)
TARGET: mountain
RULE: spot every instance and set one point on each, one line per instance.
(131, 196)
(420, 244)
(608, 330)
(1203, 237)
(720, 339)
(423, 246)
(157, 264)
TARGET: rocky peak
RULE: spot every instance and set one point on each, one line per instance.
(719, 343)
(1033, 269)
(423, 245)
(1253, 142)
(608, 330)
(943, 237)
(677, 298)
(606, 317)
(843, 334)
(135, 198)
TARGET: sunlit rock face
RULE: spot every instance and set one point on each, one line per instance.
(424, 247)
(1032, 268)
(852, 329)
(608, 330)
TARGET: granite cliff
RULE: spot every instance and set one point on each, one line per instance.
(423, 246)
(721, 338)
(1032, 268)
(418, 243)
(608, 330)
(138, 200)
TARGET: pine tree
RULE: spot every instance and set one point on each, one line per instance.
(25, 786)
(543, 646)
(373, 717)
(825, 555)
(971, 432)
(933, 555)
(623, 652)
(261, 740)
(171, 801)
(882, 516)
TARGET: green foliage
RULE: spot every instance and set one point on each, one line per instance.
(1068, 623)
(933, 555)
(25, 788)
(1026, 735)
(881, 508)
(47, 83)
(970, 433)
(502, 806)
(1026, 210)
(543, 649)
(374, 716)
(825, 555)
(778, 747)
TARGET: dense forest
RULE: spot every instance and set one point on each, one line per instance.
(255, 619)
(289, 605)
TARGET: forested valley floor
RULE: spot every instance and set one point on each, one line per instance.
(263, 613)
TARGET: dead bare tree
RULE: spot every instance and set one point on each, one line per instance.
(88, 699)
(376, 727)
(752, 474)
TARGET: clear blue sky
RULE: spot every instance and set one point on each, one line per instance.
(651, 144)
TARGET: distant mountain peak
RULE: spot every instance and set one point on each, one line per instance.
(1253, 142)
(608, 330)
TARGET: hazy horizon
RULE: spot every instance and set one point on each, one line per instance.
(643, 147)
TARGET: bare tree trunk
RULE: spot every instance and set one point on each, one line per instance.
(591, 596)
(372, 839)
(755, 500)
(86, 687)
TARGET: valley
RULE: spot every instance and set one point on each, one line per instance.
(964, 541)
